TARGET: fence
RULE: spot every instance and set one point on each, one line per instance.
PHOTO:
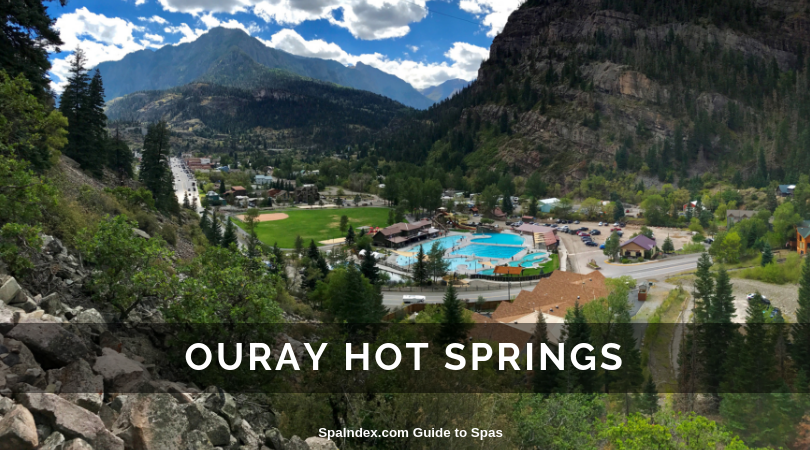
(489, 287)
(469, 304)
(510, 279)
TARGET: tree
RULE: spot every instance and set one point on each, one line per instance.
(299, 245)
(420, 272)
(390, 217)
(801, 330)
(648, 400)
(357, 199)
(350, 236)
(590, 207)
(612, 246)
(349, 297)
(543, 381)
(507, 207)
(618, 211)
(722, 332)
(215, 232)
(186, 203)
(344, 223)
(229, 237)
(489, 198)
(532, 209)
(453, 328)
(205, 222)
(576, 331)
(535, 186)
(785, 218)
(668, 247)
(767, 255)
(155, 173)
(222, 188)
(120, 158)
(129, 267)
(26, 36)
(770, 199)
(437, 266)
(369, 268)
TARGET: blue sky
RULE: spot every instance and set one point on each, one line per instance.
(412, 39)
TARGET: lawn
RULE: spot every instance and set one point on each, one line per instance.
(318, 224)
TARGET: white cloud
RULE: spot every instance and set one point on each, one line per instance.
(139, 2)
(102, 38)
(153, 37)
(154, 19)
(364, 19)
(466, 58)
(188, 33)
(495, 12)
(413, 48)
(211, 22)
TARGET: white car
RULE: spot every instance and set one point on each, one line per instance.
(601, 224)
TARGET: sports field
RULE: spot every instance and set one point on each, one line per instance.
(319, 224)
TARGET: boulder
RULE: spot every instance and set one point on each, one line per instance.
(18, 430)
(6, 405)
(107, 415)
(10, 290)
(71, 420)
(118, 371)
(222, 403)
(52, 305)
(79, 384)
(52, 345)
(140, 233)
(151, 422)
(56, 441)
(28, 305)
(214, 426)
(21, 363)
(319, 443)
(197, 440)
(296, 443)
(274, 439)
(244, 432)
(90, 319)
(77, 444)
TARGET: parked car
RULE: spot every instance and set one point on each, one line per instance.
(708, 241)
(620, 233)
(622, 224)
(581, 233)
(616, 224)
(595, 232)
(775, 312)
(557, 221)
(591, 244)
(602, 247)
(583, 228)
(764, 299)
(576, 221)
(615, 229)
(586, 239)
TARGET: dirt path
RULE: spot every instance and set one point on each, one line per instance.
(266, 217)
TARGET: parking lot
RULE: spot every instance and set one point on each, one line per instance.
(575, 244)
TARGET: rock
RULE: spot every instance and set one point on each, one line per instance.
(18, 364)
(80, 385)
(140, 233)
(10, 290)
(54, 247)
(118, 370)
(18, 430)
(151, 422)
(52, 305)
(6, 405)
(274, 439)
(90, 319)
(197, 440)
(319, 443)
(296, 443)
(56, 441)
(53, 345)
(214, 426)
(29, 305)
(71, 420)
(222, 403)
(244, 432)
(107, 415)
(77, 444)
(43, 431)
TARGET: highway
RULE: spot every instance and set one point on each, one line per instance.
(184, 183)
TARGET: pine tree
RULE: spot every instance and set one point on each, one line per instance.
(96, 155)
(704, 288)
(770, 200)
(215, 232)
(229, 237)
(299, 245)
(155, 172)
(390, 217)
(222, 186)
(369, 268)
(668, 247)
(205, 223)
(576, 331)
(73, 105)
(508, 208)
(453, 328)
(437, 266)
(532, 211)
(120, 158)
(801, 330)
(648, 401)
(721, 333)
(420, 273)
(767, 254)
(543, 381)
(350, 236)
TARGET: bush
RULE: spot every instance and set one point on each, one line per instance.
(625, 261)
(147, 222)
(169, 234)
(693, 247)
(789, 272)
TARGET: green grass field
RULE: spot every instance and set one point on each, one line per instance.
(318, 224)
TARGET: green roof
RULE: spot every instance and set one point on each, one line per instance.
(804, 231)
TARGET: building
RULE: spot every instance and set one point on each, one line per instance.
(233, 192)
(544, 237)
(214, 199)
(785, 190)
(401, 234)
(262, 180)
(277, 194)
(802, 237)
(304, 193)
(547, 205)
(498, 213)
(552, 296)
(638, 246)
(736, 215)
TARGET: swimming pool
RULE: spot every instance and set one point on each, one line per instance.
(488, 251)
(530, 260)
(473, 264)
(497, 239)
(445, 242)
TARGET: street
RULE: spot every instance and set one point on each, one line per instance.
(184, 183)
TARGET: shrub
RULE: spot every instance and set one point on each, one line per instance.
(693, 247)
(625, 261)
(169, 234)
(789, 272)
(147, 222)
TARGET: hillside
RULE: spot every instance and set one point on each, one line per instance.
(173, 66)
(237, 96)
(444, 90)
(666, 89)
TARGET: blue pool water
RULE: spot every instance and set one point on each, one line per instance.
(471, 265)
(498, 239)
(445, 242)
(488, 251)
(530, 260)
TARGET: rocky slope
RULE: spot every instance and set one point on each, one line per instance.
(569, 83)
(69, 380)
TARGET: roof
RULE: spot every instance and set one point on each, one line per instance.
(506, 270)
(804, 228)
(497, 212)
(554, 295)
(492, 330)
(402, 226)
(740, 213)
(549, 201)
(642, 241)
(786, 188)
(527, 217)
(238, 188)
(529, 228)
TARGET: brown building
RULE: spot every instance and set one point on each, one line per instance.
(401, 234)
(802, 237)
(638, 246)
(553, 295)
(304, 193)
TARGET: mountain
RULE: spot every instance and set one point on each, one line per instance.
(173, 66)
(240, 99)
(664, 89)
(445, 90)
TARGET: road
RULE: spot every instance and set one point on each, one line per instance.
(395, 298)
(184, 183)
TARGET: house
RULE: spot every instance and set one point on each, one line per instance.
(233, 192)
(214, 199)
(547, 205)
(553, 296)
(544, 237)
(690, 205)
(401, 234)
(498, 213)
(474, 209)
(638, 246)
(305, 193)
(277, 194)
(785, 190)
(527, 218)
(262, 180)
(802, 237)
(736, 215)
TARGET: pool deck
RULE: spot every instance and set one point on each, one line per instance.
(527, 248)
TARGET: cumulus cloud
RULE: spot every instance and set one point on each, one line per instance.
(211, 22)
(102, 38)
(465, 59)
(200, 6)
(154, 19)
(139, 2)
(494, 12)
(413, 48)
(153, 37)
(189, 34)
